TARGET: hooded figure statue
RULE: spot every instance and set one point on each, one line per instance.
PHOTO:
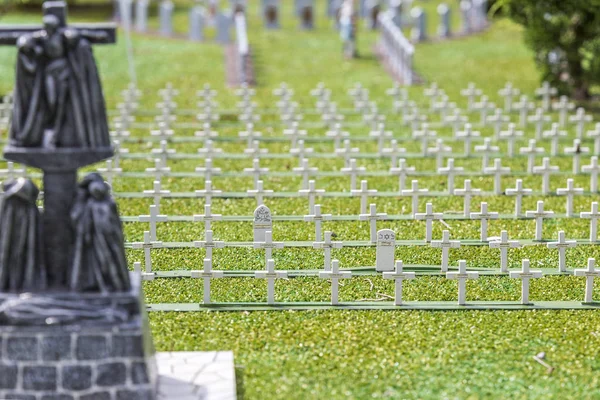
(22, 266)
(99, 262)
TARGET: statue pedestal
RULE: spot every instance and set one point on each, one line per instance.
(60, 183)
(96, 346)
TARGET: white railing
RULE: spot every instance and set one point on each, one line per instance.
(396, 49)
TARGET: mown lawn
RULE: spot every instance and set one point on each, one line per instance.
(361, 354)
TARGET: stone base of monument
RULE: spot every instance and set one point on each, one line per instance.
(74, 346)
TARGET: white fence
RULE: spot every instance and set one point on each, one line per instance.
(396, 50)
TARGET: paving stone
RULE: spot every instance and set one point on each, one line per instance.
(56, 348)
(91, 348)
(39, 378)
(76, 377)
(145, 394)
(96, 396)
(127, 346)
(19, 397)
(111, 374)
(22, 349)
(57, 397)
(8, 376)
(139, 373)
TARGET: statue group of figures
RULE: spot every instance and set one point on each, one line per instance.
(58, 99)
(98, 260)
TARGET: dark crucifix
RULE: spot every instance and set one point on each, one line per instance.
(59, 124)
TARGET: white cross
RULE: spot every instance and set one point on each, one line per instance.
(393, 152)
(311, 192)
(402, 171)
(163, 132)
(256, 171)
(445, 244)
(563, 107)
(497, 119)
(531, 151)
(450, 171)
(467, 192)
(467, 136)
(254, 150)
(593, 216)
(283, 90)
(209, 244)
(380, 134)
(595, 134)
(110, 172)
(259, 193)
(523, 107)
(497, 170)
(562, 245)
(335, 275)
(470, 93)
(593, 169)
(590, 273)
(424, 135)
(208, 170)
(207, 274)
(455, 120)
(206, 132)
(525, 275)
(576, 151)
(570, 191)
(539, 119)
(346, 152)
(327, 245)
(484, 216)
(554, 134)
(159, 170)
(157, 193)
(429, 216)
(414, 118)
(518, 191)
(168, 91)
(319, 90)
(442, 106)
(414, 192)
(539, 214)
(166, 117)
(545, 170)
(579, 120)
(207, 217)
(439, 150)
(396, 92)
(305, 171)
(433, 92)
(461, 276)
(206, 92)
(268, 245)
(364, 194)
(504, 244)
(483, 107)
(486, 149)
(209, 150)
(208, 192)
(318, 219)
(373, 216)
(153, 218)
(511, 136)
(398, 276)
(294, 134)
(147, 245)
(508, 92)
(337, 134)
(546, 92)
(271, 275)
(120, 133)
(250, 134)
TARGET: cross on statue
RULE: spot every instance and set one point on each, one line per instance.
(63, 132)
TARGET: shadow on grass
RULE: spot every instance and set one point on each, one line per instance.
(239, 382)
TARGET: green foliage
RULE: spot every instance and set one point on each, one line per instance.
(565, 36)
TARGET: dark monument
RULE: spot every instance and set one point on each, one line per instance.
(73, 324)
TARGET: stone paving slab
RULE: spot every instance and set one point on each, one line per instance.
(206, 375)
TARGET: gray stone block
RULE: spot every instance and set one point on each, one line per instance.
(56, 348)
(127, 346)
(76, 377)
(22, 349)
(57, 397)
(96, 396)
(144, 394)
(91, 348)
(111, 374)
(19, 397)
(39, 378)
(8, 376)
(139, 373)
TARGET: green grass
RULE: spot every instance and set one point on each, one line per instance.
(339, 354)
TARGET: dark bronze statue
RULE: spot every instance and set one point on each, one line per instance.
(22, 265)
